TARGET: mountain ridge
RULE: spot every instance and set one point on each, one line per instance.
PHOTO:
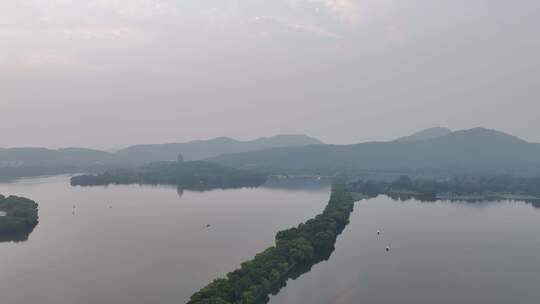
(201, 149)
(37, 161)
(474, 150)
(425, 134)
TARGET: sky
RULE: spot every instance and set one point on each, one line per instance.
(110, 73)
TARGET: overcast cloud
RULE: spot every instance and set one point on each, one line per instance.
(108, 73)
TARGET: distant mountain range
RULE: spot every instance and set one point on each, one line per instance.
(426, 134)
(28, 162)
(25, 162)
(202, 149)
(436, 150)
(15, 157)
(468, 151)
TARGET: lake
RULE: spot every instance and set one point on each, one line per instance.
(141, 244)
(150, 244)
(443, 252)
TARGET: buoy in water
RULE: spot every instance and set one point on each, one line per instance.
(378, 232)
(387, 248)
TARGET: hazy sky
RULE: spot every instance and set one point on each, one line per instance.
(107, 73)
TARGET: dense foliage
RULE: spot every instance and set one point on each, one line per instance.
(194, 174)
(465, 185)
(295, 247)
(20, 214)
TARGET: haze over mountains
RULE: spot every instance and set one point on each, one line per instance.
(437, 149)
(426, 134)
(201, 149)
(468, 151)
(22, 162)
(27, 162)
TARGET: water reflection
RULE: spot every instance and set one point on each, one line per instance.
(180, 191)
(148, 247)
(289, 184)
(441, 252)
(297, 183)
(15, 237)
(296, 273)
(432, 199)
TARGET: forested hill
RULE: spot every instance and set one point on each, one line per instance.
(472, 151)
(189, 175)
(201, 149)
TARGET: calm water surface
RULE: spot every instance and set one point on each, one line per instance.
(133, 244)
(440, 253)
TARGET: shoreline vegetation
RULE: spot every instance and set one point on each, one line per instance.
(295, 251)
(455, 189)
(18, 218)
(189, 175)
